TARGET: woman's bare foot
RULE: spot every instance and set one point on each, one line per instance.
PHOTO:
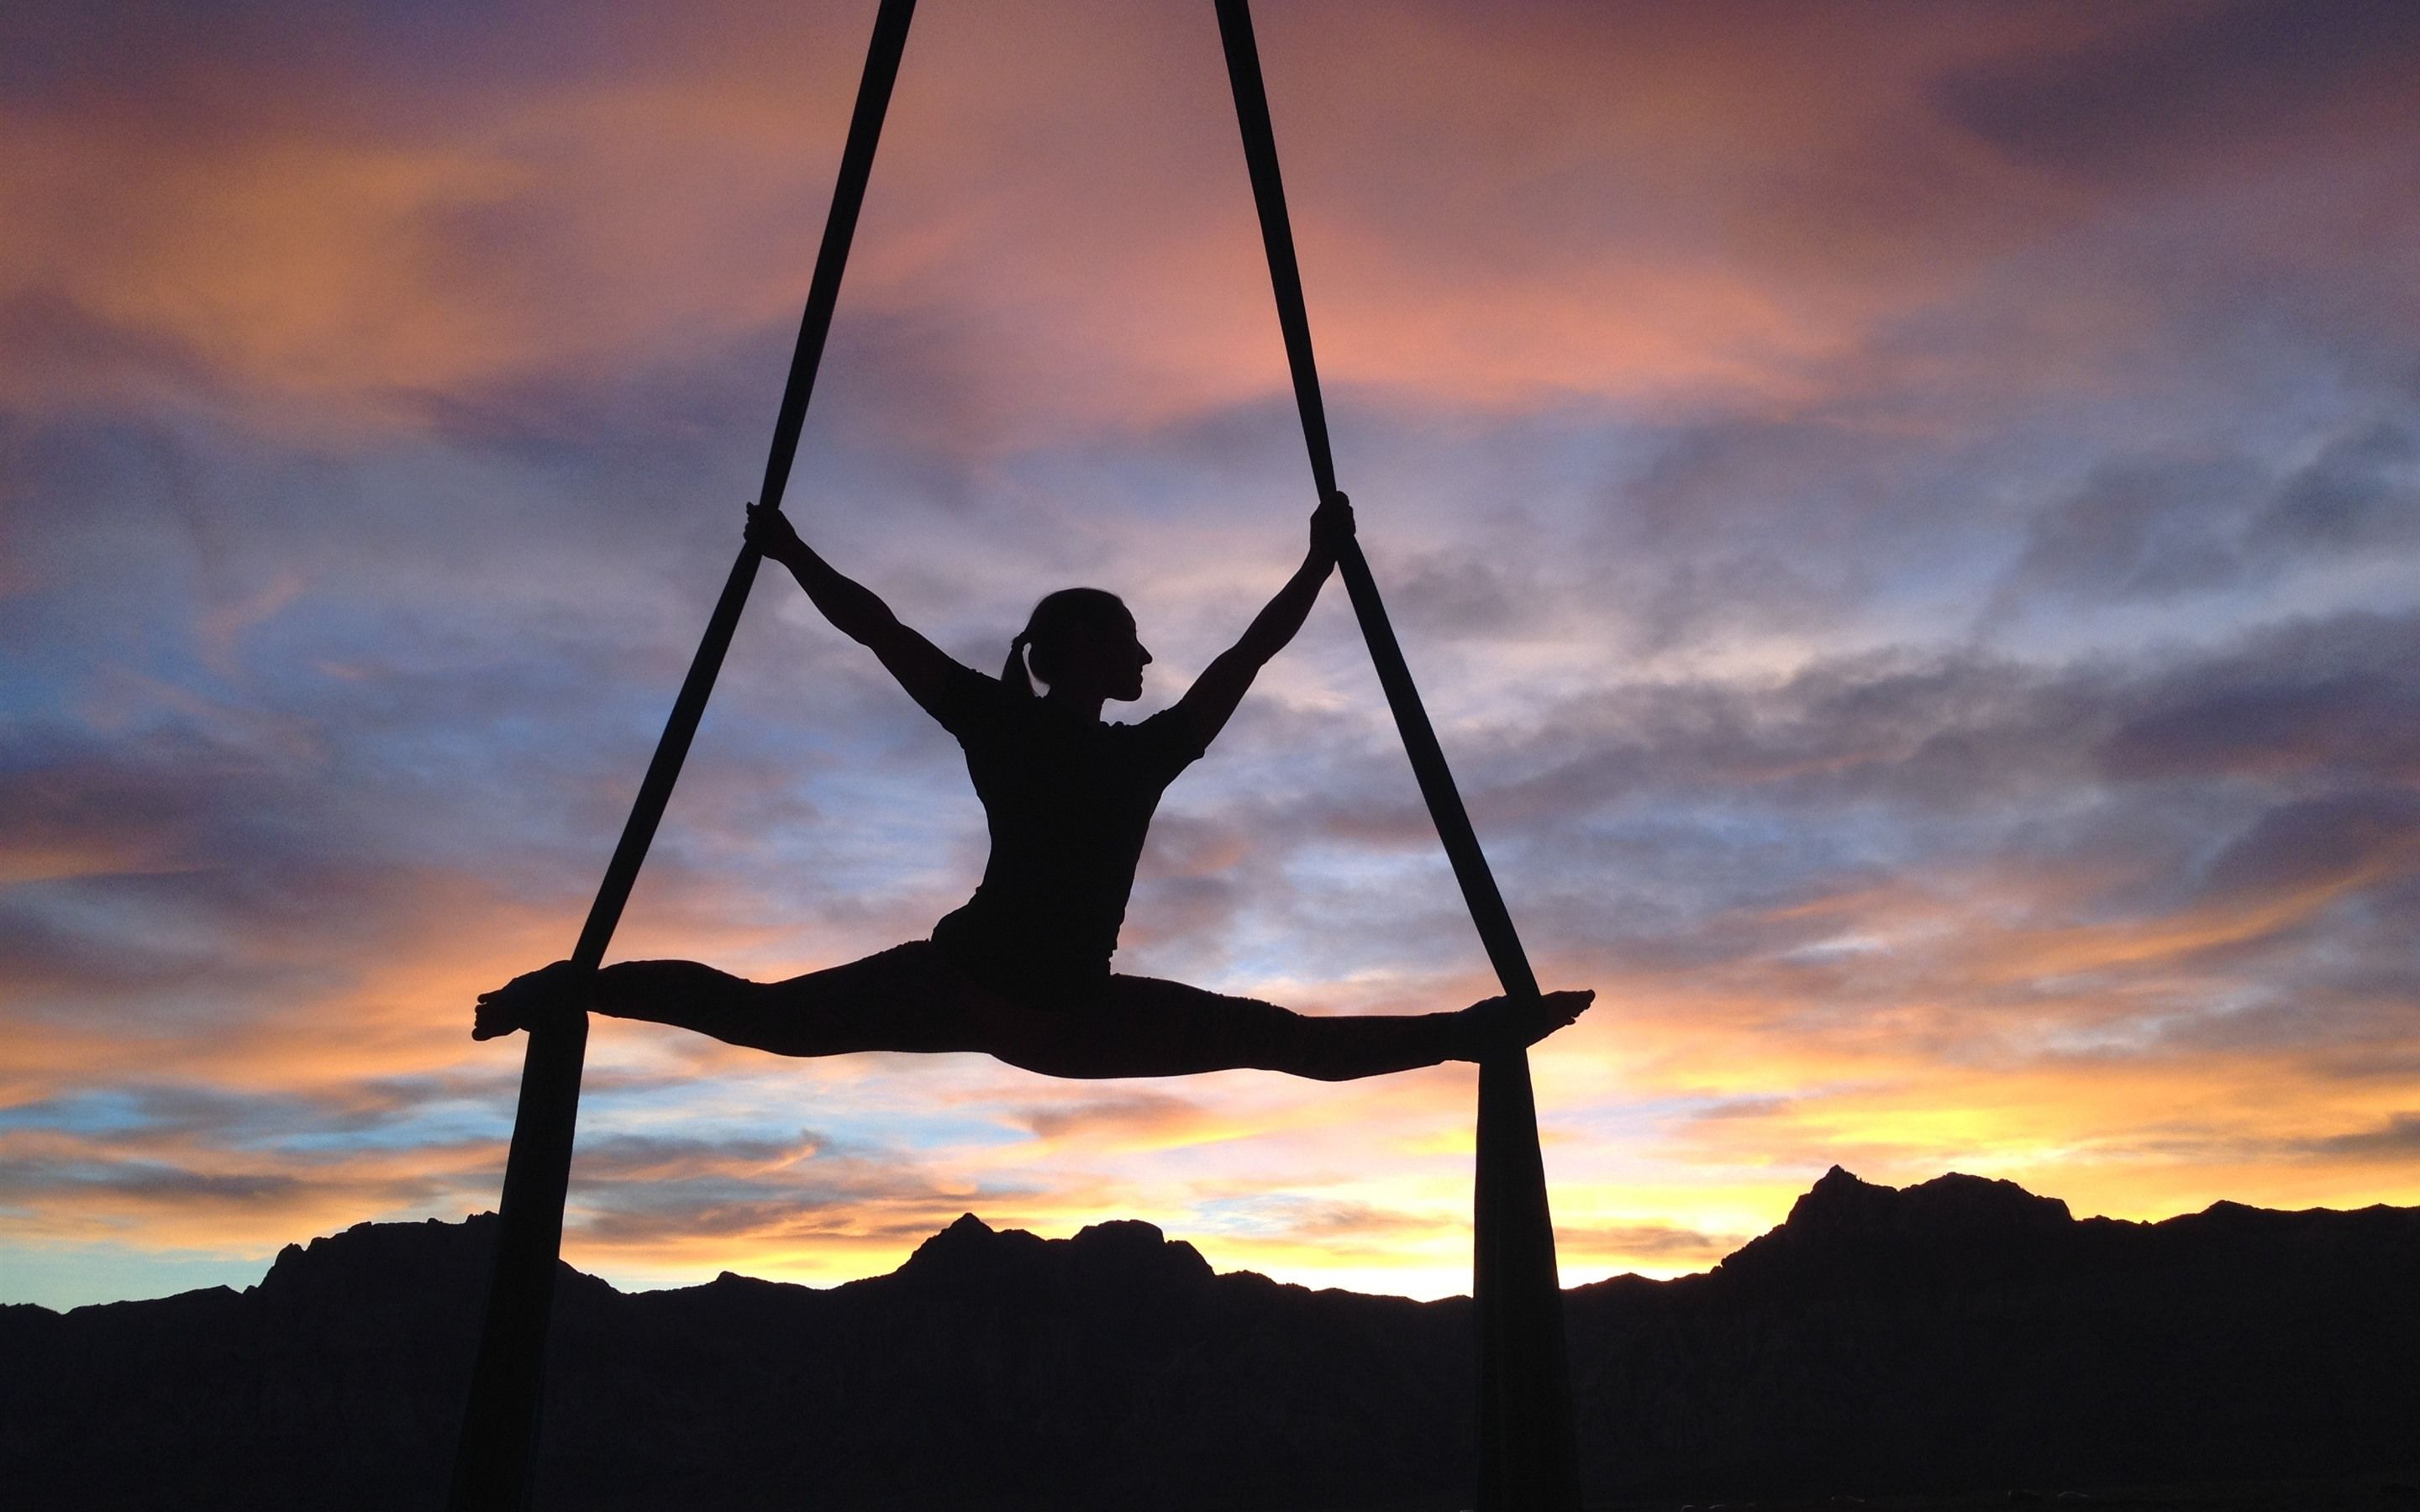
(1501, 1024)
(544, 995)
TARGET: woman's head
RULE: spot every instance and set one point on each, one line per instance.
(1080, 640)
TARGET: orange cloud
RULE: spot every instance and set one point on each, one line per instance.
(1063, 195)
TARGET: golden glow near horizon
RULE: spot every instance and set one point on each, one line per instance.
(1905, 523)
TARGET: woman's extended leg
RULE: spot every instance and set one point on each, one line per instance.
(905, 998)
(1145, 1027)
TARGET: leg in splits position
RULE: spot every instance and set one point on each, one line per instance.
(909, 999)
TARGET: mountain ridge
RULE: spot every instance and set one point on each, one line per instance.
(1959, 1331)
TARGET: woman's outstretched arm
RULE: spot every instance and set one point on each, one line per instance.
(922, 668)
(1212, 699)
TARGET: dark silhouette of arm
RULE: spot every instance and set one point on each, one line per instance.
(1211, 700)
(855, 611)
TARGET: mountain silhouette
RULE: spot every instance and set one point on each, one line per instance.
(1962, 1333)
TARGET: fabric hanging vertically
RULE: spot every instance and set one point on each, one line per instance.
(495, 1456)
(1527, 1450)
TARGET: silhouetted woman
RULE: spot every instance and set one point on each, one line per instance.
(1023, 971)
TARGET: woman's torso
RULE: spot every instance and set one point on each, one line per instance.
(1069, 802)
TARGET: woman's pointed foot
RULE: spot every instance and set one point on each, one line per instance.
(547, 995)
(1503, 1023)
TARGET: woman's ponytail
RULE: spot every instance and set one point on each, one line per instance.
(1015, 674)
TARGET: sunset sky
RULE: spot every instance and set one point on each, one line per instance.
(1904, 515)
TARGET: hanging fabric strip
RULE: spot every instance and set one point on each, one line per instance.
(1527, 1459)
(495, 1456)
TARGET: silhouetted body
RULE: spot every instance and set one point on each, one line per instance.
(1021, 971)
(1069, 800)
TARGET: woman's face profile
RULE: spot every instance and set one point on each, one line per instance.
(1105, 657)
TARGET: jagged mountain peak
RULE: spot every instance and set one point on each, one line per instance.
(1120, 1252)
(353, 1267)
(1840, 1202)
(1849, 1231)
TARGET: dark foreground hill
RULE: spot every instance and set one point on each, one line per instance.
(1960, 1334)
